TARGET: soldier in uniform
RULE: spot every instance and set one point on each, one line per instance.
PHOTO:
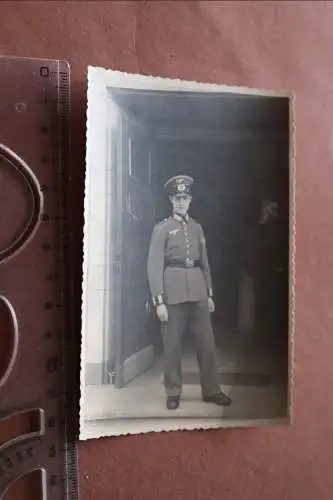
(180, 284)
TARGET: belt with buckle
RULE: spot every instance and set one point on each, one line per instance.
(186, 263)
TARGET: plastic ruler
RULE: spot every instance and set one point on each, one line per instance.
(39, 344)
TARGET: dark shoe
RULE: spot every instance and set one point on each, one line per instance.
(172, 402)
(220, 399)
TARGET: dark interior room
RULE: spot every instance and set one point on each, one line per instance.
(236, 147)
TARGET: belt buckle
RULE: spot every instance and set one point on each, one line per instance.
(189, 263)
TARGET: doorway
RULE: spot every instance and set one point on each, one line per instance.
(237, 150)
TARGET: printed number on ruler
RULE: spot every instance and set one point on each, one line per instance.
(37, 399)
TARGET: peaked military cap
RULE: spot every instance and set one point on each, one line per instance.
(179, 184)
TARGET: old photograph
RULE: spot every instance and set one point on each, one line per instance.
(187, 293)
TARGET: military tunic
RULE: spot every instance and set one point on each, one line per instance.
(182, 240)
(179, 277)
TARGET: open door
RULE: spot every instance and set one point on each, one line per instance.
(133, 349)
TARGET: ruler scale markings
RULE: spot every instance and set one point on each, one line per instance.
(55, 451)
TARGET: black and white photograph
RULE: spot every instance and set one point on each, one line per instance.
(187, 293)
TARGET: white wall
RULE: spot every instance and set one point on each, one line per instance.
(97, 239)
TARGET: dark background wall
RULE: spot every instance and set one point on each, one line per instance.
(231, 179)
(221, 178)
(236, 146)
(262, 44)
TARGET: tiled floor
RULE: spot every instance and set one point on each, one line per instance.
(144, 397)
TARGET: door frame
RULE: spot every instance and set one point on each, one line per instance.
(113, 155)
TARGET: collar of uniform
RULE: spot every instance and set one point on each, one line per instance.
(179, 218)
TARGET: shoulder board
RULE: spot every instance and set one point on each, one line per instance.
(162, 222)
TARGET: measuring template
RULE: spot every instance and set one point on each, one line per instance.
(38, 378)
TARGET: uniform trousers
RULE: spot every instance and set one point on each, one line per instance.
(196, 315)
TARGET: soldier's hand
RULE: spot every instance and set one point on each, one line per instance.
(162, 312)
(211, 305)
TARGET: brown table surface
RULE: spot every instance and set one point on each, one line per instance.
(277, 45)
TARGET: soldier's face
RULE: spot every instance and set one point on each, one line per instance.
(180, 203)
